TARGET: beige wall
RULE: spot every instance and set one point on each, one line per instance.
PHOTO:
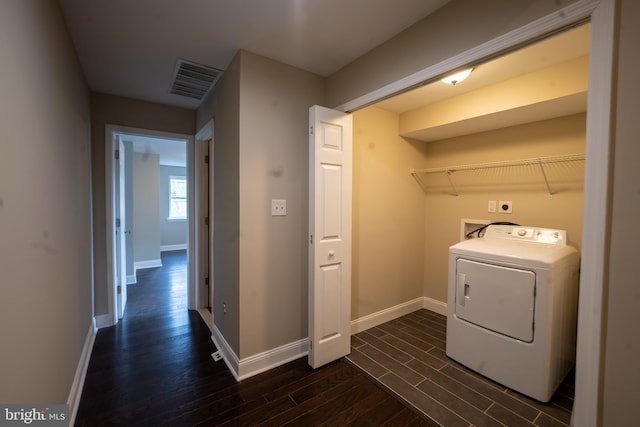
(115, 110)
(45, 205)
(274, 158)
(531, 202)
(401, 234)
(456, 27)
(388, 215)
(621, 377)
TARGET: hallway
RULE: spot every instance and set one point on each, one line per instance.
(155, 368)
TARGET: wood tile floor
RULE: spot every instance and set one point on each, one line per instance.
(407, 356)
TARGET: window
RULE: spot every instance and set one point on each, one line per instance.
(177, 197)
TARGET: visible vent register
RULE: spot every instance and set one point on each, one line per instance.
(193, 80)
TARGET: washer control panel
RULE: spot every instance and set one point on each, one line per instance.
(530, 234)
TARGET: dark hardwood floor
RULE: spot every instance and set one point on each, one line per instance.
(155, 368)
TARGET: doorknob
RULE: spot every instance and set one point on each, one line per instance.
(332, 253)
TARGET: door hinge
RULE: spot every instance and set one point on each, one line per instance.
(117, 222)
(311, 239)
(206, 220)
(206, 281)
(206, 159)
(116, 154)
(310, 130)
(119, 289)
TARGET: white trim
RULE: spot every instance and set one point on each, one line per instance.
(131, 278)
(269, 359)
(386, 315)
(110, 130)
(575, 12)
(149, 263)
(258, 363)
(81, 372)
(201, 172)
(587, 409)
(103, 321)
(228, 355)
(178, 247)
(435, 306)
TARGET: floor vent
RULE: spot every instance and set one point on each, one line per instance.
(193, 80)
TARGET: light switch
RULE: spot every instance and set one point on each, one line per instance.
(491, 206)
(278, 207)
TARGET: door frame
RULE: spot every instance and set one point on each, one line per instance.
(599, 140)
(110, 140)
(204, 142)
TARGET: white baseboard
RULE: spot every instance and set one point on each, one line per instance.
(264, 361)
(386, 315)
(179, 247)
(132, 279)
(228, 355)
(150, 263)
(81, 372)
(103, 321)
(256, 364)
(435, 306)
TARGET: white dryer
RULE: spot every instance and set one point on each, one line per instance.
(512, 307)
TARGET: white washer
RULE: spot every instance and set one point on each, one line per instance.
(512, 307)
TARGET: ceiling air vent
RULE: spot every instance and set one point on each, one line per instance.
(193, 80)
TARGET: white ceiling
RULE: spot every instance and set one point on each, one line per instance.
(172, 152)
(130, 47)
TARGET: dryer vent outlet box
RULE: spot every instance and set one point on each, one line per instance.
(505, 206)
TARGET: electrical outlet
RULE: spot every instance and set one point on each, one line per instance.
(278, 207)
(505, 206)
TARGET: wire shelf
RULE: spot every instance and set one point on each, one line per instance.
(537, 163)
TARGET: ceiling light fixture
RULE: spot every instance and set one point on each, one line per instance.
(453, 79)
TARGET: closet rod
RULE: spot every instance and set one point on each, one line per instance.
(491, 165)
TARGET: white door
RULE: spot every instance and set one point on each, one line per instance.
(121, 227)
(330, 235)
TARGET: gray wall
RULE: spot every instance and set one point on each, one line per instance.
(260, 142)
(45, 205)
(146, 207)
(171, 232)
(115, 110)
(224, 104)
(274, 164)
(622, 352)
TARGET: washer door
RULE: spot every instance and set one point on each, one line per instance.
(494, 297)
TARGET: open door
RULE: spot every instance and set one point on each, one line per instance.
(330, 136)
(121, 227)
